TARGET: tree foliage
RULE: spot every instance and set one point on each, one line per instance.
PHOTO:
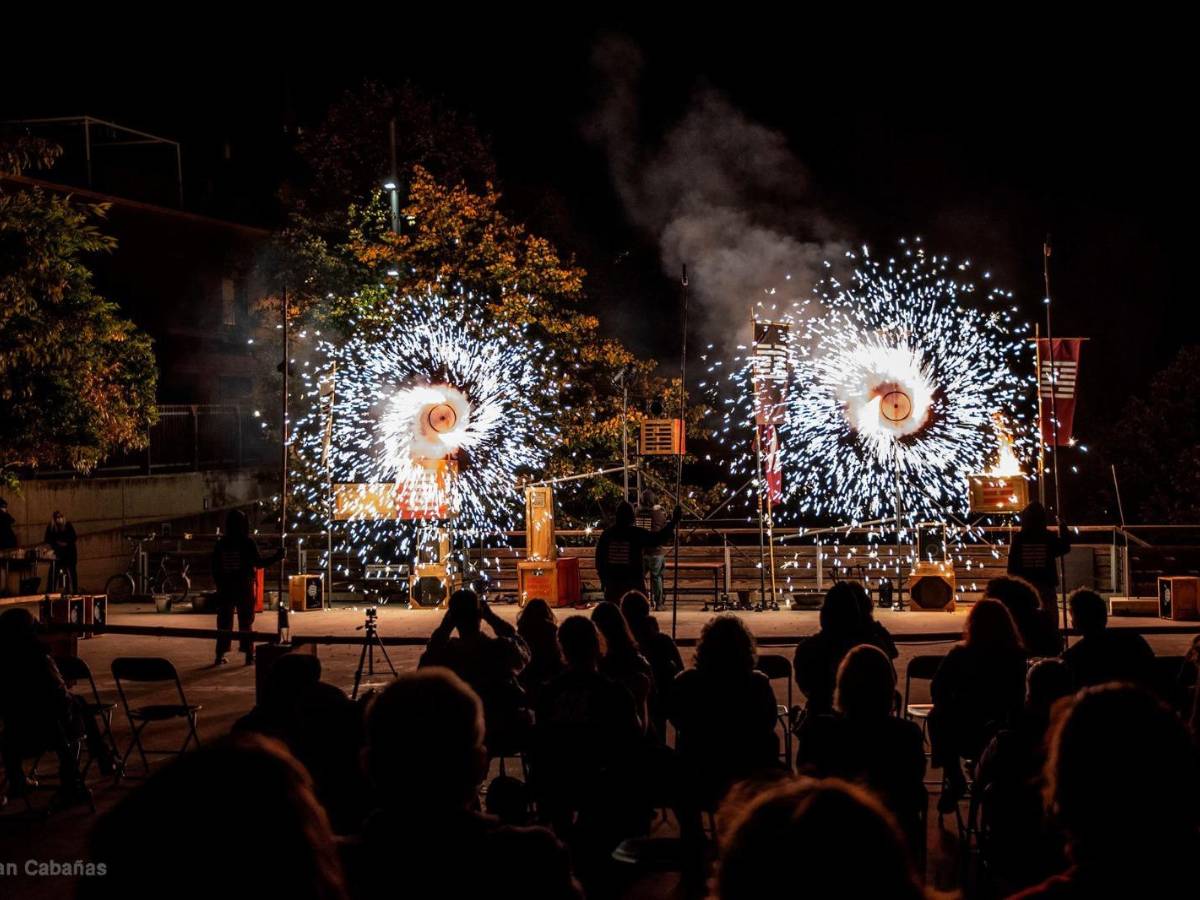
(77, 380)
(1156, 445)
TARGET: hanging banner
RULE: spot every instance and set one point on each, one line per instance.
(769, 369)
(1059, 363)
(768, 438)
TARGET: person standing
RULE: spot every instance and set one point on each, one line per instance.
(8, 535)
(652, 517)
(621, 548)
(1034, 554)
(60, 535)
(234, 559)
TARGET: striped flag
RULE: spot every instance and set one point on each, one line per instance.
(770, 375)
(1059, 362)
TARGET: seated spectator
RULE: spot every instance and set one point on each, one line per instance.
(978, 689)
(876, 633)
(537, 626)
(1104, 654)
(490, 665)
(236, 816)
(40, 714)
(828, 839)
(1037, 627)
(321, 727)
(724, 712)
(508, 800)
(660, 651)
(622, 659)
(866, 743)
(843, 625)
(1123, 781)
(426, 758)
(586, 738)
(1022, 849)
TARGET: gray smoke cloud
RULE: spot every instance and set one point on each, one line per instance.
(719, 192)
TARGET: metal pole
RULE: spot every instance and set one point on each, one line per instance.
(87, 148)
(282, 618)
(1124, 535)
(683, 283)
(1041, 457)
(758, 477)
(1058, 511)
(329, 481)
(395, 189)
(625, 432)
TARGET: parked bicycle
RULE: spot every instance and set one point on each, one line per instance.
(169, 585)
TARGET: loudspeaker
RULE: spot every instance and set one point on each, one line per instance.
(430, 586)
(931, 586)
(305, 592)
(1179, 598)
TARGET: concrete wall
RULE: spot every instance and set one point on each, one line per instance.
(100, 508)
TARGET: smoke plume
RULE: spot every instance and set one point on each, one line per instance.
(717, 191)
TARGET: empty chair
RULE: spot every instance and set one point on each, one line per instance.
(920, 668)
(777, 667)
(152, 669)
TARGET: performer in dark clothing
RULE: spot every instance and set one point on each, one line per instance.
(60, 535)
(8, 536)
(1034, 554)
(621, 550)
(234, 559)
(652, 517)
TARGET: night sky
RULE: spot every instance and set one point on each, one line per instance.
(982, 144)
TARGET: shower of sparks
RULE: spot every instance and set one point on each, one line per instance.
(446, 410)
(906, 377)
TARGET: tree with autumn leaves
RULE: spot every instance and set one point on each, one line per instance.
(77, 379)
(459, 244)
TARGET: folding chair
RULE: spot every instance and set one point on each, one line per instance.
(74, 670)
(921, 668)
(775, 666)
(152, 669)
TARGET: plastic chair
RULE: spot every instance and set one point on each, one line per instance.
(152, 669)
(775, 667)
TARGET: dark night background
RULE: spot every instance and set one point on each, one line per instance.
(981, 143)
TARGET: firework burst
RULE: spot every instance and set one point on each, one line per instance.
(905, 377)
(443, 410)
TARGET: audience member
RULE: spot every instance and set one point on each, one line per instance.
(1033, 555)
(1038, 630)
(321, 727)
(724, 712)
(40, 714)
(426, 758)
(817, 839)
(490, 665)
(1021, 849)
(60, 535)
(621, 550)
(978, 689)
(660, 651)
(537, 626)
(1104, 654)
(1123, 781)
(236, 816)
(876, 633)
(843, 626)
(866, 742)
(622, 659)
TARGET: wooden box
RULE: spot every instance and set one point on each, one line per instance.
(555, 581)
(1179, 598)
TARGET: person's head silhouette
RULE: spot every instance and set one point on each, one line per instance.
(866, 684)
(626, 514)
(837, 835)
(580, 642)
(434, 710)
(1122, 777)
(1089, 613)
(726, 647)
(841, 611)
(1047, 682)
(636, 608)
(465, 611)
(613, 627)
(236, 524)
(990, 628)
(1033, 518)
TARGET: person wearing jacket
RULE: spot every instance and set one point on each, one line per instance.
(234, 559)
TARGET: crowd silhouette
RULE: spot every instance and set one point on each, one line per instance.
(1072, 774)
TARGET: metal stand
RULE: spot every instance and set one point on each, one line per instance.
(370, 629)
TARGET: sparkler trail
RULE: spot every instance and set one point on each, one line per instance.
(904, 378)
(443, 409)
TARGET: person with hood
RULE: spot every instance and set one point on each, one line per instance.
(234, 559)
(60, 535)
(1034, 555)
(620, 552)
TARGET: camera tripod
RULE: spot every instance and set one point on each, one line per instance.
(370, 640)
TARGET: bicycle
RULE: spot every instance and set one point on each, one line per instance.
(168, 587)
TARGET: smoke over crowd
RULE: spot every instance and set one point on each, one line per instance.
(718, 192)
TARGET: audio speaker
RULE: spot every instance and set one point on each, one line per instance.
(931, 586)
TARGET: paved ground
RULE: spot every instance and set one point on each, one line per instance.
(228, 692)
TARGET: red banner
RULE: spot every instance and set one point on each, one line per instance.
(768, 442)
(1059, 364)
